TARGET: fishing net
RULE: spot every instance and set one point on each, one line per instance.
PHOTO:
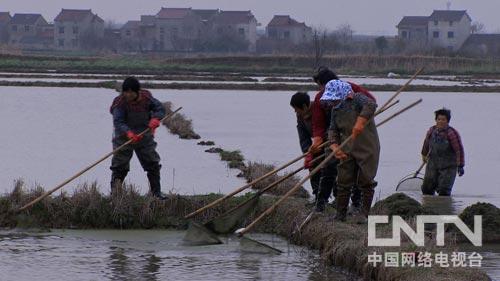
(197, 235)
(232, 219)
(412, 182)
(253, 246)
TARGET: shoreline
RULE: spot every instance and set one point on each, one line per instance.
(254, 86)
(340, 244)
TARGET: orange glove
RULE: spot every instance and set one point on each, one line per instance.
(359, 126)
(317, 141)
(132, 136)
(307, 161)
(339, 154)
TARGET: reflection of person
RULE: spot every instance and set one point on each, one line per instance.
(301, 103)
(444, 153)
(134, 111)
(351, 112)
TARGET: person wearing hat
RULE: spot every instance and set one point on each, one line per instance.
(134, 111)
(358, 160)
(321, 112)
(444, 154)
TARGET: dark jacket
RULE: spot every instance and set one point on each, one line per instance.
(135, 116)
(304, 128)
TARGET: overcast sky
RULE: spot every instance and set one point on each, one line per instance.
(376, 17)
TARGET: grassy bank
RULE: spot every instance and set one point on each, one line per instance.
(249, 65)
(254, 87)
(340, 244)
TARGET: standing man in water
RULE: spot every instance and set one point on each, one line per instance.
(444, 154)
(134, 111)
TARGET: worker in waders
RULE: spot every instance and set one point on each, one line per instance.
(358, 160)
(321, 113)
(135, 110)
(301, 103)
(444, 153)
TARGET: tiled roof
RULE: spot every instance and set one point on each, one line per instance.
(448, 15)
(413, 21)
(234, 17)
(284, 20)
(73, 15)
(173, 13)
(206, 14)
(28, 19)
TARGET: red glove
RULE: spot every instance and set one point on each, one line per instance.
(132, 136)
(359, 126)
(317, 141)
(339, 154)
(307, 161)
(153, 124)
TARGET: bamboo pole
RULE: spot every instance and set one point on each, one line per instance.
(242, 231)
(41, 197)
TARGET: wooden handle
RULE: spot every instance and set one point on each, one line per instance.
(238, 190)
(241, 232)
(41, 197)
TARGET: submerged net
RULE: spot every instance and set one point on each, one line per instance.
(197, 235)
(254, 246)
(412, 182)
(232, 219)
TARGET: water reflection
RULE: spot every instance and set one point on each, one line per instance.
(441, 205)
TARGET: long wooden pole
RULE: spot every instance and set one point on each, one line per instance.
(242, 231)
(41, 197)
(388, 104)
(238, 190)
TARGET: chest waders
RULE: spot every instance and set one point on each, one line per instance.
(137, 121)
(441, 167)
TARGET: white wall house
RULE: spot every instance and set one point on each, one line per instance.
(449, 29)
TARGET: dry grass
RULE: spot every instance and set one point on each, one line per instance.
(179, 124)
(255, 170)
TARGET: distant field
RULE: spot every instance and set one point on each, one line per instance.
(250, 65)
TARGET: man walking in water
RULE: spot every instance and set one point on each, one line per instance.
(134, 111)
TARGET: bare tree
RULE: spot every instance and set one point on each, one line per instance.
(345, 32)
(477, 27)
(319, 42)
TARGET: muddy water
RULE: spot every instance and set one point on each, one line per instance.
(148, 255)
(48, 134)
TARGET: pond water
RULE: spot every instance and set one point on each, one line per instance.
(149, 255)
(48, 134)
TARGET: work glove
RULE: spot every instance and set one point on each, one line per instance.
(308, 161)
(134, 137)
(339, 154)
(460, 171)
(425, 158)
(317, 141)
(358, 126)
(153, 124)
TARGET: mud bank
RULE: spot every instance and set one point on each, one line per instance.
(340, 244)
(254, 86)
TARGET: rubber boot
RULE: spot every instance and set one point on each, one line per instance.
(154, 183)
(366, 200)
(342, 204)
(116, 183)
